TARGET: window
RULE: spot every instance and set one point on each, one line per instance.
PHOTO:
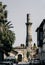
(44, 40)
(44, 35)
(44, 27)
(41, 35)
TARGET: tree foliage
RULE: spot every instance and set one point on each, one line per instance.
(28, 53)
(7, 36)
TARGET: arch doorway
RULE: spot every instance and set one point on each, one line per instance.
(19, 57)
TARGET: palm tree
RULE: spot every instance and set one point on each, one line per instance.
(7, 36)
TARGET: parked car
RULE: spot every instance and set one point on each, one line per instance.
(35, 61)
(6, 63)
(10, 58)
(23, 63)
(42, 62)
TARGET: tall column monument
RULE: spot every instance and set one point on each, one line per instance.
(28, 31)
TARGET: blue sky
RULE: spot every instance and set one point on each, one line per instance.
(17, 10)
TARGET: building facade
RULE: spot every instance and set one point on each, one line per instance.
(41, 39)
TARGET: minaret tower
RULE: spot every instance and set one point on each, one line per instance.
(28, 31)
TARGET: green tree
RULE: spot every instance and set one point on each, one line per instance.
(7, 36)
(34, 46)
(28, 53)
